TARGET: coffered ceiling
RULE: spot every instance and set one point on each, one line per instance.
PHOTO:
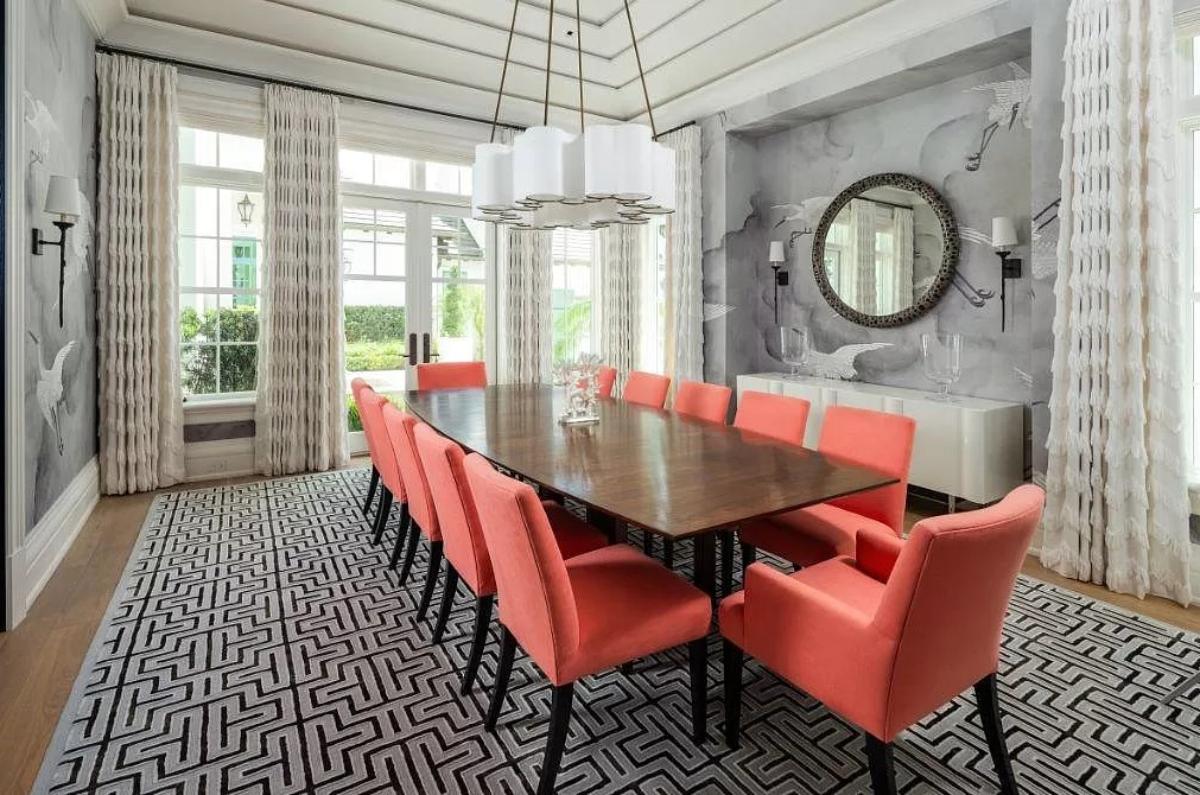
(699, 55)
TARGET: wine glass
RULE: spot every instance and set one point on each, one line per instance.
(794, 347)
(942, 354)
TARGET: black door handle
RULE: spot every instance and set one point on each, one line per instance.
(412, 349)
(425, 347)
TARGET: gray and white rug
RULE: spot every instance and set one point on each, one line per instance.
(258, 643)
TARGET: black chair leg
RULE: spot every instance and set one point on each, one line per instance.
(414, 535)
(988, 700)
(402, 532)
(508, 647)
(448, 591)
(883, 772)
(483, 617)
(669, 553)
(560, 722)
(366, 509)
(749, 554)
(648, 543)
(431, 576)
(381, 518)
(698, 663)
(727, 562)
(733, 693)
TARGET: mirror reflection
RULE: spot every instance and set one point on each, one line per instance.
(884, 250)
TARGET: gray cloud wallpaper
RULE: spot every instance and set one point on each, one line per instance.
(60, 363)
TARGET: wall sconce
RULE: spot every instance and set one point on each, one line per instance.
(62, 199)
(245, 210)
(777, 257)
(1004, 239)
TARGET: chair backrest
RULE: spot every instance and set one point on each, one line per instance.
(877, 440)
(646, 389)
(778, 416)
(946, 598)
(451, 375)
(536, 601)
(605, 378)
(370, 410)
(458, 519)
(400, 425)
(703, 401)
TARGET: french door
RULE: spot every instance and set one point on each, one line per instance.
(418, 288)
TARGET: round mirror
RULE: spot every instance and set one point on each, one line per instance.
(885, 250)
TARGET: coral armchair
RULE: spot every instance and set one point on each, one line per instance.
(605, 378)
(703, 401)
(451, 375)
(580, 616)
(885, 640)
(779, 416)
(810, 535)
(384, 465)
(462, 537)
(646, 389)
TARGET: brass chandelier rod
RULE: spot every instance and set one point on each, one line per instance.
(549, 45)
(512, 27)
(579, 54)
(637, 54)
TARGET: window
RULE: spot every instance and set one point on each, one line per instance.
(459, 255)
(572, 309)
(220, 261)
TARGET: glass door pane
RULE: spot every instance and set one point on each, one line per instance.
(460, 266)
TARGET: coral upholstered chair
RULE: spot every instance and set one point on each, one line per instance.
(384, 465)
(605, 378)
(887, 640)
(451, 375)
(423, 517)
(646, 389)
(579, 616)
(778, 416)
(703, 401)
(462, 538)
(810, 535)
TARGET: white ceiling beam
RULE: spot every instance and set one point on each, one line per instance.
(102, 15)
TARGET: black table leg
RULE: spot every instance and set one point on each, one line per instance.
(606, 524)
(705, 563)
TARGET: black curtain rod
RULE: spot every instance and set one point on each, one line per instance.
(310, 87)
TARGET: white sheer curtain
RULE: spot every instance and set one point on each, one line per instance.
(1117, 506)
(527, 336)
(141, 405)
(895, 277)
(620, 259)
(684, 343)
(859, 272)
(301, 413)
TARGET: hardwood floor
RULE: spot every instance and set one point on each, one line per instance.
(41, 658)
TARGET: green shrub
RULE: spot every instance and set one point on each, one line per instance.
(374, 323)
(362, 356)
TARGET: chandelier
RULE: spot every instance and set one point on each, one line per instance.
(606, 174)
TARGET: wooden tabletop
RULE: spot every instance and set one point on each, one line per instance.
(655, 469)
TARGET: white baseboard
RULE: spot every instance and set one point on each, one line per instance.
(48, 541)
(225, 458)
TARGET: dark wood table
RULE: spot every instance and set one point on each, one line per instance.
(668, 474)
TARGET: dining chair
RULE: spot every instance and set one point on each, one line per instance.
(781, 417)
(384, 463)
(646, 389)
(462, 538)
(605, 378)
(702, 401)
(423, 519)
(885, 640)
(873, 439)
(451, 375)
(576, 617)
(357, 385)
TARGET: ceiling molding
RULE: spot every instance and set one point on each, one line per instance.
(103, 15)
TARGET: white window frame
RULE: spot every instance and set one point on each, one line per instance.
(231, 179)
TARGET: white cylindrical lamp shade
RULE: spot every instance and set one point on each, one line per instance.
(1004, 234)
(619, 162)
(62, 198)
(776, 253)
(663, 199)
(492, 178)
(538, 164)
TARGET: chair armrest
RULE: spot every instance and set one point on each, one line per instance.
(876, 553)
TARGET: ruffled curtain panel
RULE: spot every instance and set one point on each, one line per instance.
(684, 345)
(1117, 505)
(141, 402)
(301, 411)
(528, 335)
(620, 263)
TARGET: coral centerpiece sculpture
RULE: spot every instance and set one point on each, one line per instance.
(579, 378)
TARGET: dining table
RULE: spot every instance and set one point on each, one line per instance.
(666, 473)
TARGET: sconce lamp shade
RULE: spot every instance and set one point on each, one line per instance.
(1004, 234)
(777, 254)
(62, 198)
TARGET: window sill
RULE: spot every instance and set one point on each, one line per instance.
(219, 409)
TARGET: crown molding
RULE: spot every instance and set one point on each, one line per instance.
(103, 15)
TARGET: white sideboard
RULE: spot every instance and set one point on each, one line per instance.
(969, 447)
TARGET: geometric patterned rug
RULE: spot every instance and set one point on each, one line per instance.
(258, 643)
